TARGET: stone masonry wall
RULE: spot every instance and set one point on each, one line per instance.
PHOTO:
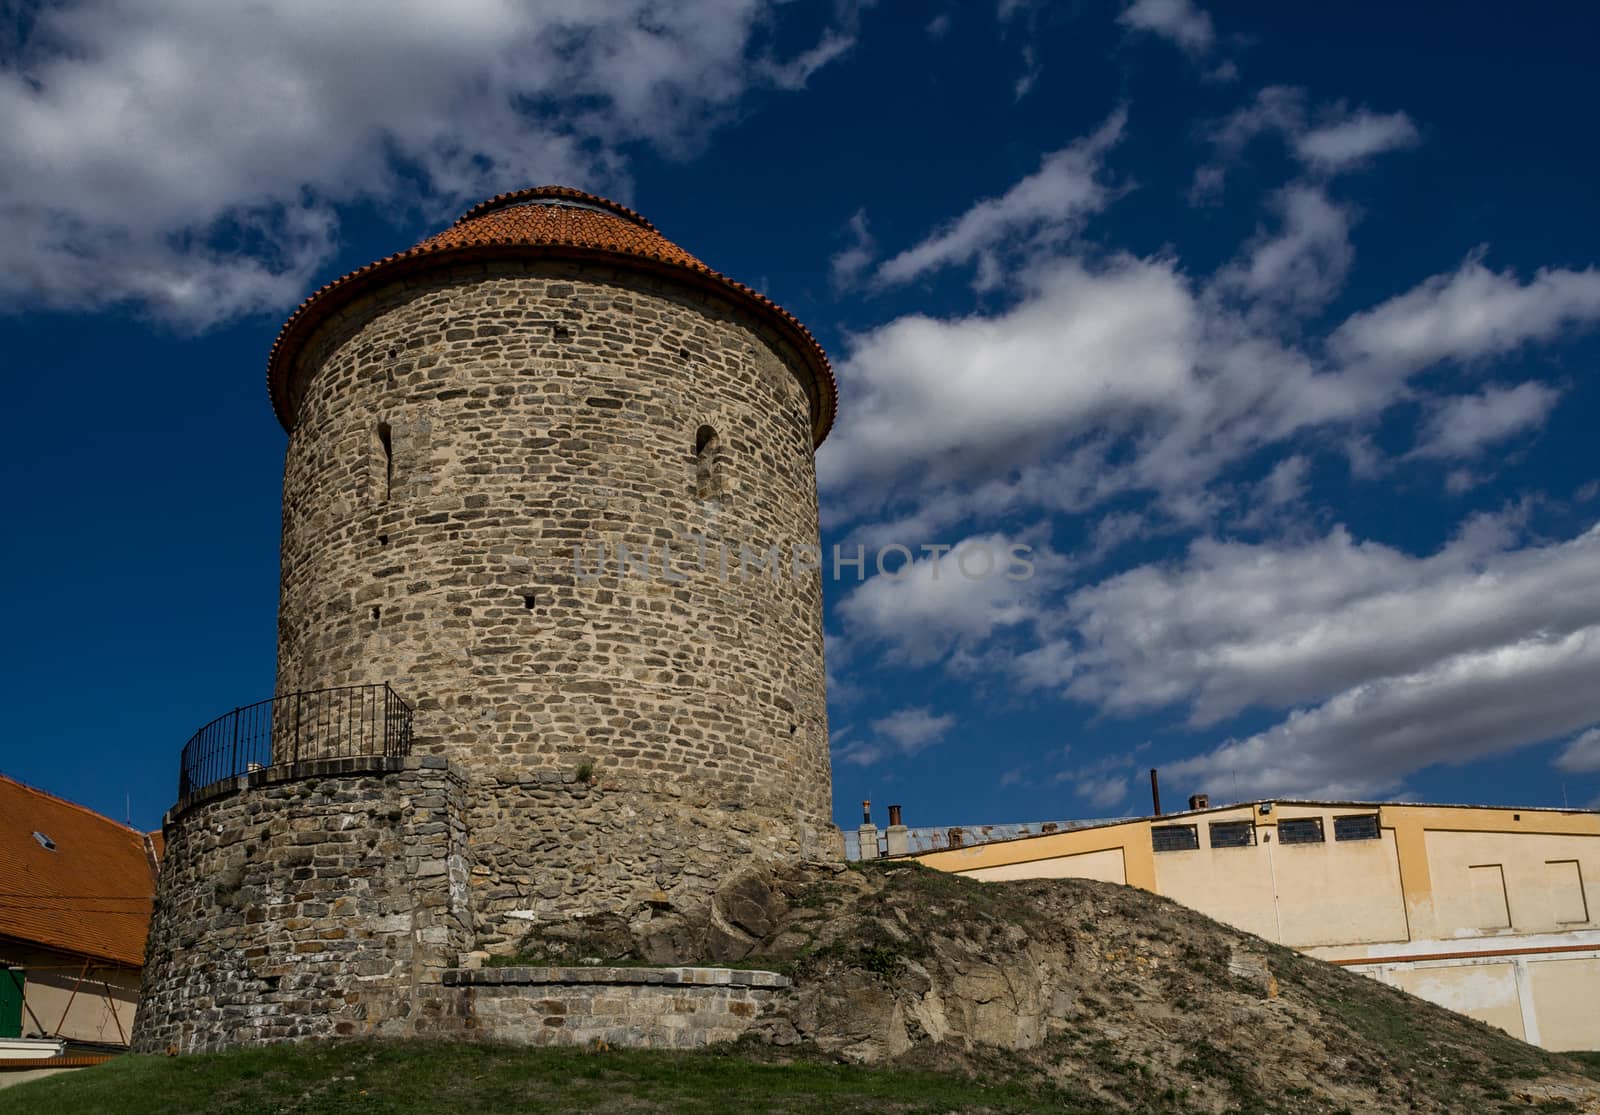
(308, 900)
(671, 1008)
(627, 738)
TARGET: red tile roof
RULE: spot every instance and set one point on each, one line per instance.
(90, 895)
(548, 222)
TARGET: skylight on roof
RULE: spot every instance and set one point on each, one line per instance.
(45, 842)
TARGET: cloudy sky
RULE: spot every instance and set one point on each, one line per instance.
(1269, 331)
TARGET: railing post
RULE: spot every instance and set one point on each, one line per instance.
(234, 768)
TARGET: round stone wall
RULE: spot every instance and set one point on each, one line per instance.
(464, 445)
(309, 900)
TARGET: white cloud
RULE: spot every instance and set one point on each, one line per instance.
(923, 390)
(1301, 264)
(1582, 754)
(1277, 495)
(1127, 376)
(1339, 140)
(850, 261)
(1351, 141)
(1285, 484)
(1366, 740)
(1103, 783)
(1236, 625)
(1464, 425)
(912, 729)
(1102, 791)
(187, 156)
(1468, 315)
(1030, 73)
(945, 600)
(1177, 20)
(1045, 206)
(901, 733)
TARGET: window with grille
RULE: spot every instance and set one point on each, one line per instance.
(1359, 826)
(1233, 834)
(1174, 838)
(1300, 830)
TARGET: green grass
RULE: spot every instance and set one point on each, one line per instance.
(401, 1078)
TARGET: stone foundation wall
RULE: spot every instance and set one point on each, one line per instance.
(308, 900)
(671, 1008)
(548, 847)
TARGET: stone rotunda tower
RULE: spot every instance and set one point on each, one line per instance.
(538, 467)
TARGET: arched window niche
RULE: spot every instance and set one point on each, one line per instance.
(709, 466)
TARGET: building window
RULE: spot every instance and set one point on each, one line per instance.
(1357, 826)
(382, 462)
(708, 464)
(1233, 834)
(1174, 838)
(1300, 830)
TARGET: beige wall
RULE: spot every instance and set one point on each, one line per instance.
(1487, 992)
(1567, 993)
(1107, 865)
(1499, 883)
(105, 997)
(1490, 894)
(1296, 894)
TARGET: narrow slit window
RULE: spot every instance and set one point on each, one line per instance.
(383, 462)
(708, 464)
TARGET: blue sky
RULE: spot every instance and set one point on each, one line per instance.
(1269, 329)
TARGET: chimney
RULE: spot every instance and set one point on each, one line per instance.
(1155, 793)
(897, 837)
(867, 834)
(1199, 801)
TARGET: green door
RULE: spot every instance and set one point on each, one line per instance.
(11, 980)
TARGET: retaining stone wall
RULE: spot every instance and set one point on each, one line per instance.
(674, 1008)
(308, 900)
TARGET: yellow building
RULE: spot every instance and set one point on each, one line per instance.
(1486, 911)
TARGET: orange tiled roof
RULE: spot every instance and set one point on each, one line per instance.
(90, 896)
(547, 222)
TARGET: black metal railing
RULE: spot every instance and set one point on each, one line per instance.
(316, 724)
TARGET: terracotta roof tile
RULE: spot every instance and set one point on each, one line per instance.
(547, 221)
(90, 895)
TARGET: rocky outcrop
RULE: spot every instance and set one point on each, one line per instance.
(1125, 1000)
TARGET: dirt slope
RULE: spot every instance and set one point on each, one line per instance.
(1124, 1000)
